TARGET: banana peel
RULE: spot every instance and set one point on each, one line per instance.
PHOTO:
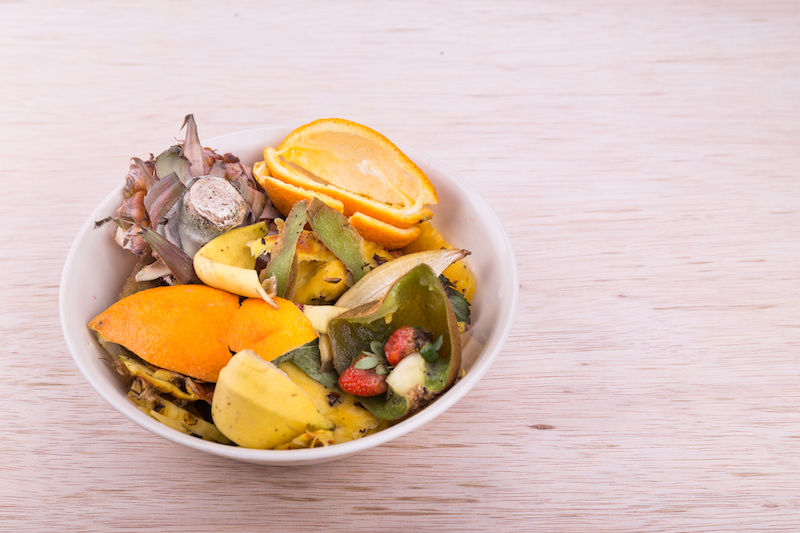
(226, 263)
(256, 405)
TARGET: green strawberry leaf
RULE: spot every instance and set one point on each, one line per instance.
(377, 348)
(366, 363)
(308, 359)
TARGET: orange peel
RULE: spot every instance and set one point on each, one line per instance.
(191, 329)
(181, 328)
(284, 195)
(388, 236)
(357, 166)
(267, 331)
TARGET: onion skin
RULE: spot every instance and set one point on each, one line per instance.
(377, 283)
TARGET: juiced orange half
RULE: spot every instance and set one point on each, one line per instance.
(358, 167)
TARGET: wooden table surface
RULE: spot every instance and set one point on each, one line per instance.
(643, 156)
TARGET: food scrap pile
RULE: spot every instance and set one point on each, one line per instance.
(303, 302)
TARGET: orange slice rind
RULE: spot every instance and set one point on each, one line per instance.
(357, 166)
(328, 148)
(351, 201)
(388, 236)
(284, 194)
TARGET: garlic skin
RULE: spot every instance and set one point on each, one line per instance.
(210, 207)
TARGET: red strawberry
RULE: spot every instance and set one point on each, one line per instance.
(403, 342)
(363, 382)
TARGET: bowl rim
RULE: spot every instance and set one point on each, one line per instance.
(308, 455)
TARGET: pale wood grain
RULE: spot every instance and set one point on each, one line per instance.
(644, 158)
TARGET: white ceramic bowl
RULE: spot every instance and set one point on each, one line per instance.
(96, 268)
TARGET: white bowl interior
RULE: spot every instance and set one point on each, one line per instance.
(96, 268)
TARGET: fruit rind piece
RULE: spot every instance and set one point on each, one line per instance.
(352, 421)
(162, 325)
(333, 230)
(458, 273)
(256, 405)
(319, 281)
(178, 418)
(321, 315)
(231, 279)
(416, 299)
(283, 258)
(361, 135)
(231, 248)
(284, 194)
(388, 236)
(377, 283)
(226, 262)
(351, 202)
(268, 331)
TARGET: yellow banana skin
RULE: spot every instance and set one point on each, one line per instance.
(226, 263)
(256, 405)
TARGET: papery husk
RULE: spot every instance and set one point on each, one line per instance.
(377, 283)
(140, 177)
(130, 239)
(192, 149)
(133, 208)
(163, 196)
(171, 161)
(179, 263)
(155, 270)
